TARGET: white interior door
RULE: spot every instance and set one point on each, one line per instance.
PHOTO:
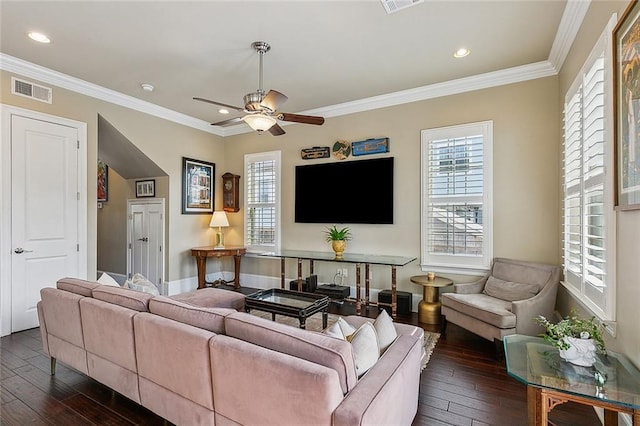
(44, 212)
(146, 240)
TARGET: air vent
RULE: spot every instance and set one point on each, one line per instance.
(392, 6)
(30, 90)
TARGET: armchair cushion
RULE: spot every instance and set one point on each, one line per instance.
(490, 310)
(509, 290)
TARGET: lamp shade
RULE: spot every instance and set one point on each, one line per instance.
(219, 219)
(259, 122)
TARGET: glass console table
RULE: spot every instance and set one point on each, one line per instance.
(613, 383)
(358, 259)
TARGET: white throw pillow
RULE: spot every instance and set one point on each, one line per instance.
(385, 330)
(335, 330)
(140, 283)
(364, 343)
(106, 279)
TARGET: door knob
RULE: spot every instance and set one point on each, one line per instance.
(20, 250)
(145, 239)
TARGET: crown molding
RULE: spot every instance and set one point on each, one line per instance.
(46, 75)
(452, 87)
(467, 84)
(572, 17)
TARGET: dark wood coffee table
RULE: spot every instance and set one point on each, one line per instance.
(288, 303)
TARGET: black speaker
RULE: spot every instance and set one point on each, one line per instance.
(404, 301)
(308, 286)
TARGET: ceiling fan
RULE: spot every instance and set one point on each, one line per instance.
(262, 109)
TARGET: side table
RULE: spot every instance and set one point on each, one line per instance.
(202, 253)
(429, 306)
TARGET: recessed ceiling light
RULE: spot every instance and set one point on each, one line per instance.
(39, 37)
(461, 53)
(223, 111)
(147, 87)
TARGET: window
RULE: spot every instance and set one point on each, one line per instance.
(588, 228)
(262, 195)
(456, 198)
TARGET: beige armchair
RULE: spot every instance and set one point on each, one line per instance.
(505, 301)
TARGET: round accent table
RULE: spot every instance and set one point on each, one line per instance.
(429, 306)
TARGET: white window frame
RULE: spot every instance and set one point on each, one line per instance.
(458, 264)
(248, 160)
(576, 284)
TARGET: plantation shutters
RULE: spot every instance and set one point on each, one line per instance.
(262, 196)
(456, 196)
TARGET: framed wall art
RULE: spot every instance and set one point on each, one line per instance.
(145, 188)
(103, 181)
(626, 57)
(197, 186)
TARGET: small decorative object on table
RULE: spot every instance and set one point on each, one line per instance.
(577, 339)
(338, 239)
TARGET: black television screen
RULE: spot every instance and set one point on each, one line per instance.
(346, 192)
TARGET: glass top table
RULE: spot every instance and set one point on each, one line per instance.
(371, 259)
(358, 259)
(612, 383)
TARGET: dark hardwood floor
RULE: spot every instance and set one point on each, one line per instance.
(463, 384)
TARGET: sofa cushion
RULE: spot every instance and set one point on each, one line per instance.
(212, 298)
(508, 290)
(136, 300)
(496, 312)
(211, 319)
(312, 346)
(366, 352)
(140, 283)
(76, 285)
(385, 330)
(106, 279)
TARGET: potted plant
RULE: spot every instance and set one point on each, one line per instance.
(338, 239)
(577, 339)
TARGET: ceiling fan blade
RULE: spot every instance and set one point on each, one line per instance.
(298, 118)
(228, 122)
(276, 130)
(219, 103)
(273, 100)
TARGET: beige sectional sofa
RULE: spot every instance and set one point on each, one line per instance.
(215, 364)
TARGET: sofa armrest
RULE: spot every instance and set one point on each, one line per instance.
(388, 392)
(43, 328)
(527, 310)
(473, 287)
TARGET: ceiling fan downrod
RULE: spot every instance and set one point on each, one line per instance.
(261, 47)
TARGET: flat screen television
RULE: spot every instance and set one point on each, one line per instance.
(359, 191)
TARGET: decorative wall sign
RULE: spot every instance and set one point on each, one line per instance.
(197, 186)
(370, 146)
(341, 149)
(103, 181)
(315, 152)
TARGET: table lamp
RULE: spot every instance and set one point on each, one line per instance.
(219, 219)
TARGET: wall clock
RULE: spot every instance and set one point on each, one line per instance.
(230, 192)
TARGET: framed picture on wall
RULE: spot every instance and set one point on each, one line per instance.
(626, 55)
(197, 186)
(145, 188)
(103, 181)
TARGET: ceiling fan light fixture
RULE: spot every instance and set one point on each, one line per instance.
(259, 122)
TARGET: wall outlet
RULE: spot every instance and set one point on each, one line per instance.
(345, 272)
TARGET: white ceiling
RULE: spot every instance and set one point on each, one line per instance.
(324, 53)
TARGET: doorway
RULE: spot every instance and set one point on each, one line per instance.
(145, 240)
(44, 209)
